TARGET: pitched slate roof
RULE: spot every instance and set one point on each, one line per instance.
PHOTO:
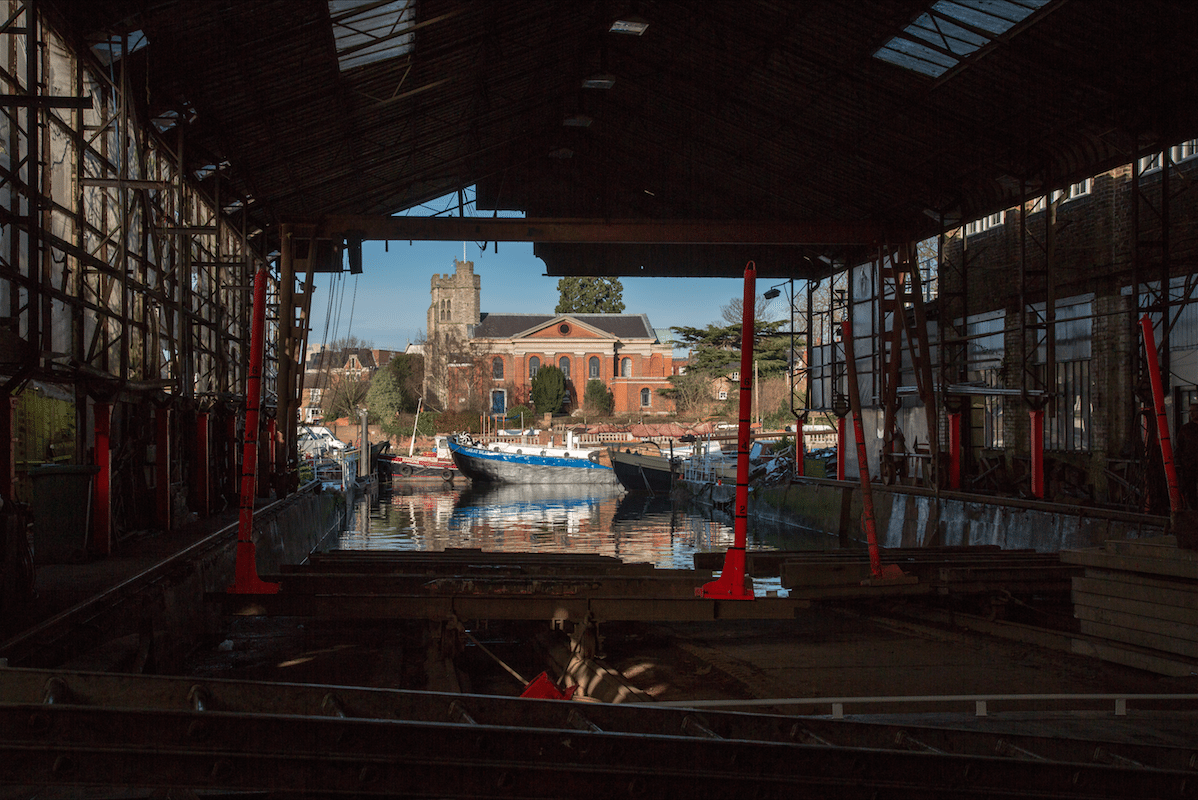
(621, 326)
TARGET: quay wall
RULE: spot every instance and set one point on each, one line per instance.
(914, 517)
(160, 617)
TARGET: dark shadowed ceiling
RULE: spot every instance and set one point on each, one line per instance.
(755, 110)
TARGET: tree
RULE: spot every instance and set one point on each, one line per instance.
(348, 343)
(734, 312)
(597, 398)
(690, 391)
(715, 350)
(459, 374)
(395, 390)
(548, 389)
(518, 414)
(590, 296)
(348, 393)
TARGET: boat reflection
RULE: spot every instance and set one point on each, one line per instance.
(546, 518)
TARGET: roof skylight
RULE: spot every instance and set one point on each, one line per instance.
(112, 49)
(366, 31)
(952, 30)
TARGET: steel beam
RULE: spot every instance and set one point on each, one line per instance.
(1066, 744)
(73, 746)
(604, 231)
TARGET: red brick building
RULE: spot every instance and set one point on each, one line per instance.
(487, 360)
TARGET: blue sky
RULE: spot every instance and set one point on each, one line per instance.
(387, 305)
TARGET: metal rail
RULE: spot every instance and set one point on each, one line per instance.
(78, 729)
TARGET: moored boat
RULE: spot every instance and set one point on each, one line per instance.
(501, 462)
(437, 464)
(642, 471)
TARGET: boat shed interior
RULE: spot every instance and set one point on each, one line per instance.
(161, 154)
(980, 212)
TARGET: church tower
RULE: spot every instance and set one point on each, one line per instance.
(455, 302)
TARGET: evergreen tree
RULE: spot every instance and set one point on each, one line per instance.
(597, 398)
(395, 390)
(548, 389)
(590, 296)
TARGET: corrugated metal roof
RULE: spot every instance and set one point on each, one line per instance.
(761, 110)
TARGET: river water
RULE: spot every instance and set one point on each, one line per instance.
(636, 528)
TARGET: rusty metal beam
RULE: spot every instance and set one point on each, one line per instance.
(56, 744)
(606, 231)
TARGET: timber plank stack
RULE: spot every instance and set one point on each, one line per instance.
(970, 570)
(1138, 602)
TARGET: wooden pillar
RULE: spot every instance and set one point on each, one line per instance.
(162, 469)
(102, 494)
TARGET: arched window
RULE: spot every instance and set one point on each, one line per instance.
(497, 368)
(534, 364)
(645, 397)
(563, 364)
(593, 366)
(626, 368)
(448, 309)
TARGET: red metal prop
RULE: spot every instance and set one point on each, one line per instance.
(245, 577)
(731, 583)
(954, 450)
(1162, 421)
(102, 502)
(800, 450)
(1036, 444)
(867, 496)
(541, 688)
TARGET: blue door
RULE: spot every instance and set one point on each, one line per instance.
(497, 402)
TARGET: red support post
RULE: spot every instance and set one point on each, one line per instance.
(162, 469)
(1037, 451)
(245, 578)
(102, 499)
(954, 450)
(867, 496)
(731, 583)
(202, 467)
(800, 455)
(1152, 364)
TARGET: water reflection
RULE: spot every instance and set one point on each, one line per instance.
(550, 518)
(544, 518)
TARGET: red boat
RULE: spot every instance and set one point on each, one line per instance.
(438, 464)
